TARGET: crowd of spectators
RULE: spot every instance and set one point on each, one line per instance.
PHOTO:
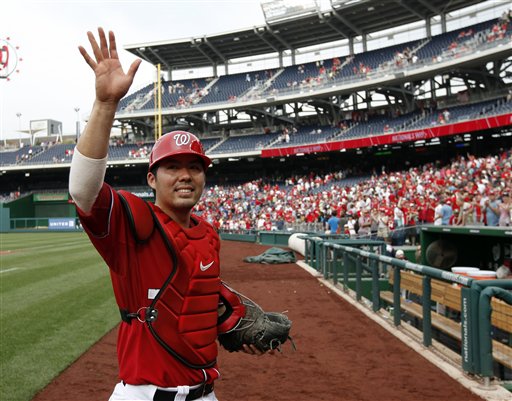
(25, 156)
(66, 158)
(468, 39)
(391, 205)
(8, 197)
(143, 151)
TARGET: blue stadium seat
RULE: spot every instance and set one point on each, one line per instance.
(11, 158)
(58, 153)
(245, 143)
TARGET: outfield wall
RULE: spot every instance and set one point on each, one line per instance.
(42, 205)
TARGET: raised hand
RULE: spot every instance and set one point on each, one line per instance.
(112, 83)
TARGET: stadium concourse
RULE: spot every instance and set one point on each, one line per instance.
(341, 354)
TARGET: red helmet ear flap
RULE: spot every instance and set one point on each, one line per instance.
(177, 143)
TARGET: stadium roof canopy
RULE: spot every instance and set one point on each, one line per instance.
(345, 19)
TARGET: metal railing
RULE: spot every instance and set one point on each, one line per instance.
(350, 263)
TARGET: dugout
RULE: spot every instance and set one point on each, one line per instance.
(474, 246)
(37, 205)
(34, 211)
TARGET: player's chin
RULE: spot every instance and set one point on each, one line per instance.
(184, 196)
(185, 202)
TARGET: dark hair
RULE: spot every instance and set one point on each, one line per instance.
(153, 171)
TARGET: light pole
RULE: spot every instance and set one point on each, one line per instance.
(19, 126)
(77, 109)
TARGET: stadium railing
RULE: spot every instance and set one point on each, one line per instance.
(476, 315)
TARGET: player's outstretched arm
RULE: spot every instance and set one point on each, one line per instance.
(112, 83)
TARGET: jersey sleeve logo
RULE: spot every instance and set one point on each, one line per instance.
(205, 267)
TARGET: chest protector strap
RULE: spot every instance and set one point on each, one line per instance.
(140, 216)
(142, 222)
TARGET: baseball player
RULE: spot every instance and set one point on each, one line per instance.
(163, 260)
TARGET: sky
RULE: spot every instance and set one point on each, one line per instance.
(53, 78)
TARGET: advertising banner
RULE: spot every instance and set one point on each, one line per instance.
(61, 224)
(392, 138)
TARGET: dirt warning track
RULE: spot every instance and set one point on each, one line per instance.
(341, 354)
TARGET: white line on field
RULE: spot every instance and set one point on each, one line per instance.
(9, 270)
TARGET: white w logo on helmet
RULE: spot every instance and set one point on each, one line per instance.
(182, 139)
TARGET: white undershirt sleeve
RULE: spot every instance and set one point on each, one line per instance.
(86, 179)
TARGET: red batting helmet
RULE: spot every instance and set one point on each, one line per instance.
(177, 143)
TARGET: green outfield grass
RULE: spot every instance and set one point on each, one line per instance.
(56, 301)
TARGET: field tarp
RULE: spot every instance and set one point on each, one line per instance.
(272, 256)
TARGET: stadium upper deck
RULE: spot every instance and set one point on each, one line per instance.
(294, 29)
(401, 74)
(333, 75)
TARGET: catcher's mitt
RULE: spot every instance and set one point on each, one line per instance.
(265, 330)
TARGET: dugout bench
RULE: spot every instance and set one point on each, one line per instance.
(448, 296)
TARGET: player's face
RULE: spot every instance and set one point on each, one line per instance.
(178, 182)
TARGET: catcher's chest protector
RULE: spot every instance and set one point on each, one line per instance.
(186, 307)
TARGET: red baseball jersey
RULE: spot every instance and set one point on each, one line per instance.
(137, 274)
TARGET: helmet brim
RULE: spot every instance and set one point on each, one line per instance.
(207, 162)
